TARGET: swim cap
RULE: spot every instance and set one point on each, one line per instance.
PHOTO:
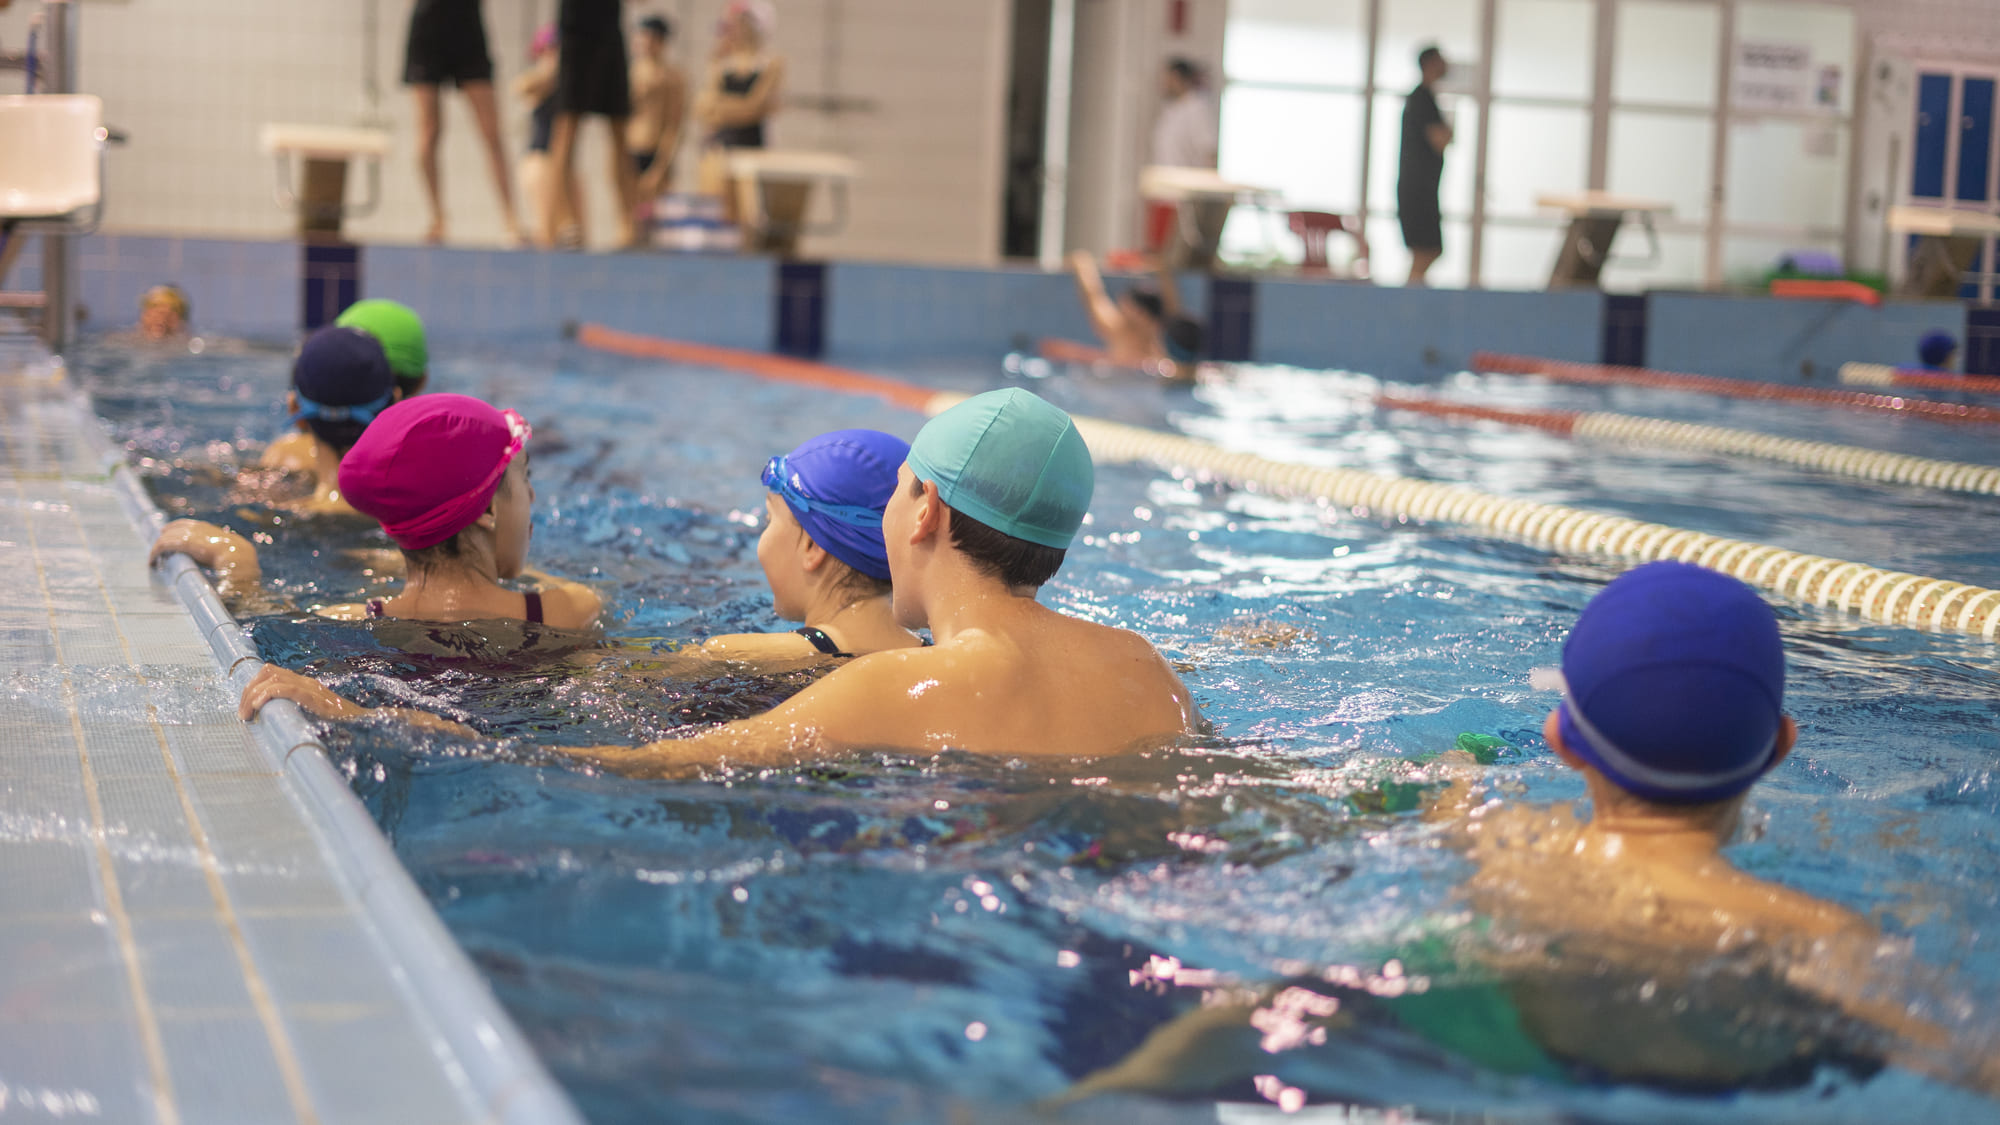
(341, 375)
(1675, 684)
(544, 40)
(1011, 461)
(761, 14)
(166, 294)
(399, 329)
(1936, 347)
(429, 466)
(836, 486)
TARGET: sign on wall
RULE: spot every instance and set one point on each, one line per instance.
(1773, 77)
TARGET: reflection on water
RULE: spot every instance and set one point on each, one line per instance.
(954, 938)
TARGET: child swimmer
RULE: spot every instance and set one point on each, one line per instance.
(1673, 689)
(447, 477)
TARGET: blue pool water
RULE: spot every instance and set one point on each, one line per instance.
(953, 939)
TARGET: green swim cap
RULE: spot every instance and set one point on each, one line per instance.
(1011, 461)
(398, 328)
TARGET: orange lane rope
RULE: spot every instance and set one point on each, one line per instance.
(778, 368)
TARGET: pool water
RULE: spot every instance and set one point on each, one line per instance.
(957, 938)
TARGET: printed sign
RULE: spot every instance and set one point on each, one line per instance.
(1772, 77)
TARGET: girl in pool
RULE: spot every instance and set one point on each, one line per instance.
(447, 477)
(822, 551)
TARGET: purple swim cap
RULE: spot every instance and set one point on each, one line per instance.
(1675, 684)
(836, 485)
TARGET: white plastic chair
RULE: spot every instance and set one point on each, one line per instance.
(52, 161)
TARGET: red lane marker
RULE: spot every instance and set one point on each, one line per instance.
(1602, 375)
(763, 365)
(1561, 422)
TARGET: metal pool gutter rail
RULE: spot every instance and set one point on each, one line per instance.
(485, 1055)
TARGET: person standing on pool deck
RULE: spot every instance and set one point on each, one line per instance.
(991, 497)
(1672, 683)
(739, 96)
(447, 43)
(592, 79)
(1425, 136)
(659, 104)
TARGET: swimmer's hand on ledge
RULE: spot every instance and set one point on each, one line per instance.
(231, 557)
(273, 683)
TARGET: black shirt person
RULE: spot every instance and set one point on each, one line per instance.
(1425, 136)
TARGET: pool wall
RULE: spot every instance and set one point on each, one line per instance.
(858, 310)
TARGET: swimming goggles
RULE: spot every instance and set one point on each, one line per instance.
(1612, 755)
(779, 478)
(363, 413)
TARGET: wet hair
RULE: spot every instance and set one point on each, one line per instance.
(1430, 52)
(997, 554)
(1184, 69)
(410, 385)
(1187, 335)
(658, 25)
(861, 585)
(1149, 302)
(340, 435)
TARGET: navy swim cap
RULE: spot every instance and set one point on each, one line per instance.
(836, 486)
(1936, 348)
(342, 375)
(1675, 684)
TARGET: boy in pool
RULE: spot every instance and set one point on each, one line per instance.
(991, 495)
(447, 477)
(1143, 328)
(400, 332)
(1672, 709)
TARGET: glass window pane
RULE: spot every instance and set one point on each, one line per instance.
(1682, 262)
(1310, 42)
(1667, 53)
(1533, 151)
(1455, 190)
(1788, 172)
(1519, 257)
(1545, 48)
(1408, 26)
(1662, 156)
(1827, 31)
(1306, 144)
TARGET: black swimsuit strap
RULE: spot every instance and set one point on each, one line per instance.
(820, 640)
(534, 607)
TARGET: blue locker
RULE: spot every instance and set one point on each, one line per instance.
(1975, 139)
(1933, 136)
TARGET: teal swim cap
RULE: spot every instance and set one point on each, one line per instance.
(400, 330)
(1011, 461)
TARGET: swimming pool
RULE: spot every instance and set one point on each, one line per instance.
(919, 940)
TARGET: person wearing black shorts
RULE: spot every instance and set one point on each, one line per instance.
(447, 44)
(592, 79)
(1425, 135)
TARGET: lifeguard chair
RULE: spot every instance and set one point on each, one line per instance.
(51, 183)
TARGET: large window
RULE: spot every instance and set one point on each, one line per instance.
(1737, 114)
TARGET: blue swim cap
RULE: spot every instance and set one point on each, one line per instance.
(1936, 347)
(1012, 461)
(342, 375)
(1675, 684)
(836, 486)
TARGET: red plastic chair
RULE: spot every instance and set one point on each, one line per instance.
(1315, 227)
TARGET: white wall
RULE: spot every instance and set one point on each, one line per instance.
(192, 81)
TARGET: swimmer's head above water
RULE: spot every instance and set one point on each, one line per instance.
(441, 470)
(1673, 684)
(825, 506)
(400, 331)
(163, 312)
(341, 381)
(1181, 336)
(1936, 350)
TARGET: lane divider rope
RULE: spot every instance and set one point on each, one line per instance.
(1599, 374)
(1890, 597)
(1659, 433)
(1883, 375)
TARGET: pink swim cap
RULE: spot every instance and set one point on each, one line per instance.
(544, 41)
(427, 467)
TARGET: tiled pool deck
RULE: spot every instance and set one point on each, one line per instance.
(192, 927)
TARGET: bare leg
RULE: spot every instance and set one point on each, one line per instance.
(487, 113)
(1420, 264)
(625, 178)
(562, 180)
(429, 129)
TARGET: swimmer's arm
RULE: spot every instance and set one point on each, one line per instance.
(539, 80)
(1197, 1051)
(1844, 977)
(273, 683)
(758, 648)
(232, 558)
(753, 106)
(1105, 319)
(1439, 135)
(673, 110)
(1170, 290)
(292, 453)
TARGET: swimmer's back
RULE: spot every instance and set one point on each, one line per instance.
(1055, 687)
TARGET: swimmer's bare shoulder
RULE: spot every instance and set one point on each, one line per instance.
(292, 453)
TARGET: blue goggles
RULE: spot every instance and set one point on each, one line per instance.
(778, 477)
(363, 413)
